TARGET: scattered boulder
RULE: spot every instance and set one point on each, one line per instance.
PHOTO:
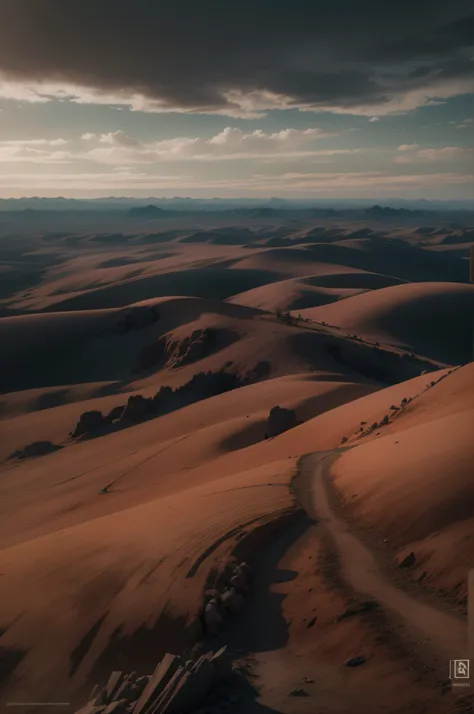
(89, 423)
(213, 620)
(299, 692)
(407, 561)
(355, 661)
(239, 581)
(357, 608)
(173, 688)
(247, 570)
(280, 420)
(233, 601)
(37, 448)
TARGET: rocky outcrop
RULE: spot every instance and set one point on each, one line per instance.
(174, 687)
(137, 409)
(89, 423)
(115, 414)
(179, 686)
(191, 349)
(228, 598)
(280, 420)
(37, 448)
(175, 353)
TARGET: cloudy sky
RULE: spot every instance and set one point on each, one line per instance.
(291, 98)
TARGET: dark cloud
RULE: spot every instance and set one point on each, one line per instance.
(190, 52)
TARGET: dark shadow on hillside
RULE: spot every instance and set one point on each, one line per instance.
(84, 646)
(141, 650)
(262, 627)
(10, 658)
(138, 409)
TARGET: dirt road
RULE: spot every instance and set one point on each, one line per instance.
(444, 634)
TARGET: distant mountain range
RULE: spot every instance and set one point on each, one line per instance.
(152, 205)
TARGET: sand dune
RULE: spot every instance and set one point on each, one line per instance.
(107, 543)
(61, 348)
(434, 319)
(383, 483)
(127, 573)
(292, 294)
(213, 283)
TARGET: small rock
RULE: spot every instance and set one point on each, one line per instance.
(407, 561)
(239, 582)
(246, 569)
(232, 601)
(312, 622)
(298, 692)
(212, 619)
(355, 661)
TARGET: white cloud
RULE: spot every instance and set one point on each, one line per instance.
(34, 142)
(249, 105)
(404, 103)
(464, 124)
(126, 181)
(33, 150)
(413, 154)
(231, 143)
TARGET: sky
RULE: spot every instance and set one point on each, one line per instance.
(255, 98)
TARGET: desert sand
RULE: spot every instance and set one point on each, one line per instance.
(110, 536)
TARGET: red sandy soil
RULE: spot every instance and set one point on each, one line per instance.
(106, 545)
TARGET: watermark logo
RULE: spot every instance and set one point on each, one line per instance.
(459, 670)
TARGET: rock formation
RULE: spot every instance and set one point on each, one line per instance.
(280, 420)
(89, 422)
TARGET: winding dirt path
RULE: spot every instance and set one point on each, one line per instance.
(445, 635)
